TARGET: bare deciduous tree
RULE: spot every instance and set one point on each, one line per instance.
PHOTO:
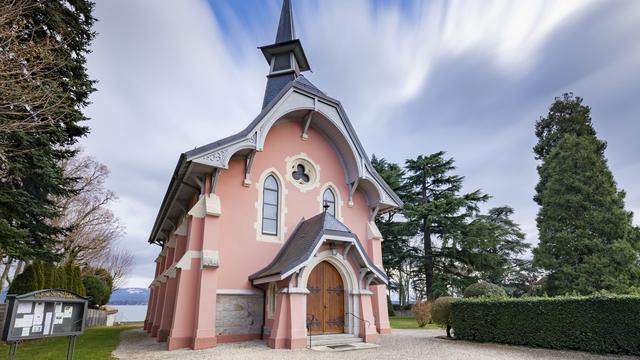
(92, 226)
(30, 92)
(118, 261)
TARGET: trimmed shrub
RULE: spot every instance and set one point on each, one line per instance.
(25, 282)
(485, 289)
(49, 276)
(601, 324)
(96, 289)
(441, 312)
(39, 268)
(422, 313)
(105, 276)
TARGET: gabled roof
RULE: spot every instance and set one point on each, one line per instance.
(300, 84)
(305, 241)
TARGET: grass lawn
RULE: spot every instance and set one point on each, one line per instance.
(94, 344)
(408, 322)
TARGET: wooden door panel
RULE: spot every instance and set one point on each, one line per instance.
(314, 302)
(325, 301)
(333, 300)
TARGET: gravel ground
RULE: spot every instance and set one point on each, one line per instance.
(402, 344)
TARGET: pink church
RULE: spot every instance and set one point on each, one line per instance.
(269, 233)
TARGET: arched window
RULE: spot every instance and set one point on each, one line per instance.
(270, 206)
(329, 199)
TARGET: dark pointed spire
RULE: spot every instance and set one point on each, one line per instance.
(286, 29)
(286, 57)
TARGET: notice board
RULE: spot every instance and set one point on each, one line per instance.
(44, 313)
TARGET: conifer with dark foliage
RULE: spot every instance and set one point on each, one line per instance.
(30, 157)
(587, 239)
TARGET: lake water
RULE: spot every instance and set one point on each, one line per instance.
(130, 313)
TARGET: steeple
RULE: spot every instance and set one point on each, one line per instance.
(286, 56)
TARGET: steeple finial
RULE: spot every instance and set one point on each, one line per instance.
(286, 29)
(286, 57)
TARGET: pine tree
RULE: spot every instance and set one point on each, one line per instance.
(434, 204)
(30, 158)
(587, 240)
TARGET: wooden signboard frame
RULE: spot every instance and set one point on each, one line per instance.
(43, 314)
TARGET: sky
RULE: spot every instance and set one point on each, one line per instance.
(415, 77)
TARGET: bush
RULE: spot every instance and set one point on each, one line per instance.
(441, 312)
(96, 289)
(422, 313)
(602, 324)
(25, 282)
(107, 279)
(485, 289)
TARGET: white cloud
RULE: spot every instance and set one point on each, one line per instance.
(469, 77)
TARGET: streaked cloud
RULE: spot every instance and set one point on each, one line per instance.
(468, 77)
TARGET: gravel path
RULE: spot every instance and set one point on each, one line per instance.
(402, 344)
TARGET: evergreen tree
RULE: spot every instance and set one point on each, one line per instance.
(587, 240)
(79, 286)
(434, 204)
(25, 282)
(492, 245)
(105, 276)
(96, 289)
(49, 276)
(397, 252)
(69, 276)
(61, 277)
(39, 270)
(30, 157)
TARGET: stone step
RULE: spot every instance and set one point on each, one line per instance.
(331, 340)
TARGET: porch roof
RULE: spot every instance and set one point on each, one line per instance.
(305, 241)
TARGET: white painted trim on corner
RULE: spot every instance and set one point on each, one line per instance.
(303, 291)
(361, 292)
(373, 233)
(185, 262)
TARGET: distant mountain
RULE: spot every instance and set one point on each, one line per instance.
(129, 296)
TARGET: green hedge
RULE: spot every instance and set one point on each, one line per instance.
(602, 324)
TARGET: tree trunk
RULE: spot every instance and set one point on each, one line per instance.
(448, 331)
(5, 272)
(428, 259)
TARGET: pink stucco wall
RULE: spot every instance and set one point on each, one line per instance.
(239, 212)
(233, 234)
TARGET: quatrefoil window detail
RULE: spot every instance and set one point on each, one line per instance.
(300, 174)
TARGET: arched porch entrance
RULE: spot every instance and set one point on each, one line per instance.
(325, 301)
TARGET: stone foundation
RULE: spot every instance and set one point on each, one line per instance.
(239, 316)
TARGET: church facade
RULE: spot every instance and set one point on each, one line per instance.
(269, 233)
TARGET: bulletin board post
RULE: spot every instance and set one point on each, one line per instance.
(43, 314)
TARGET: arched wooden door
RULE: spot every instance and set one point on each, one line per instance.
(325, 301)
